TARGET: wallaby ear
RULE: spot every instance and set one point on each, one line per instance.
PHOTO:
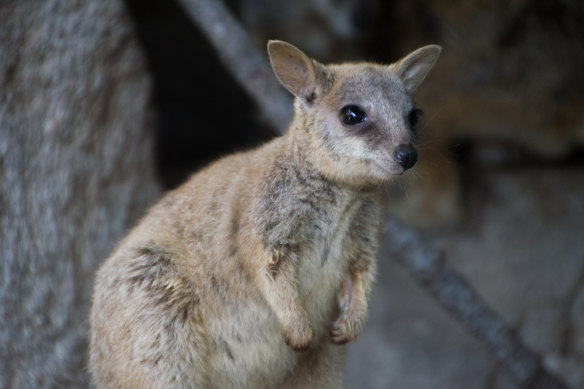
(293, 68)
(413, 68)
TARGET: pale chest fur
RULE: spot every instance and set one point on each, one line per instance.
(312, 221)
(325, 263)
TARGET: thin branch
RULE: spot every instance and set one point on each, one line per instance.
(242, 59)
(424, 262)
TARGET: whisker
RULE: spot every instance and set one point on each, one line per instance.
(427, 122)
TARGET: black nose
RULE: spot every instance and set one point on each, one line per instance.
(405, 155)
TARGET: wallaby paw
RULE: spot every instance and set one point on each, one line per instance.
(298, 334)
(346, 328)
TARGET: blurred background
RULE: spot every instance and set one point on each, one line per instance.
(104, 105)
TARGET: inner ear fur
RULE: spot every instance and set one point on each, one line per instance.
(414, 67)
(295, 71)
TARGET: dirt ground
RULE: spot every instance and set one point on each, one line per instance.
(522, 248)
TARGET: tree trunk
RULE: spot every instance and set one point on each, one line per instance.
(73, 128)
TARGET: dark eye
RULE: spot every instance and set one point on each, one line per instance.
(413, 116)
(352, 115)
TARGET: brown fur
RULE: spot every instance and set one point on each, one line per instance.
(254, 271)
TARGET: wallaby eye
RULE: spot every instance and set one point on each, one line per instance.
(352, 115)
(413, 116)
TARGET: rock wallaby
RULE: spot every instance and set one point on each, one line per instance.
(257, 270)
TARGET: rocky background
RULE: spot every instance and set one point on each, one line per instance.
(105, 103)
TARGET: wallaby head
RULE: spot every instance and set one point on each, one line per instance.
(359, 118)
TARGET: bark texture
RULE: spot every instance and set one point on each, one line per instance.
(242, 59)
(73, 128)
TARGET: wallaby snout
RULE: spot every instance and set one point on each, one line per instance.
(406, 155)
